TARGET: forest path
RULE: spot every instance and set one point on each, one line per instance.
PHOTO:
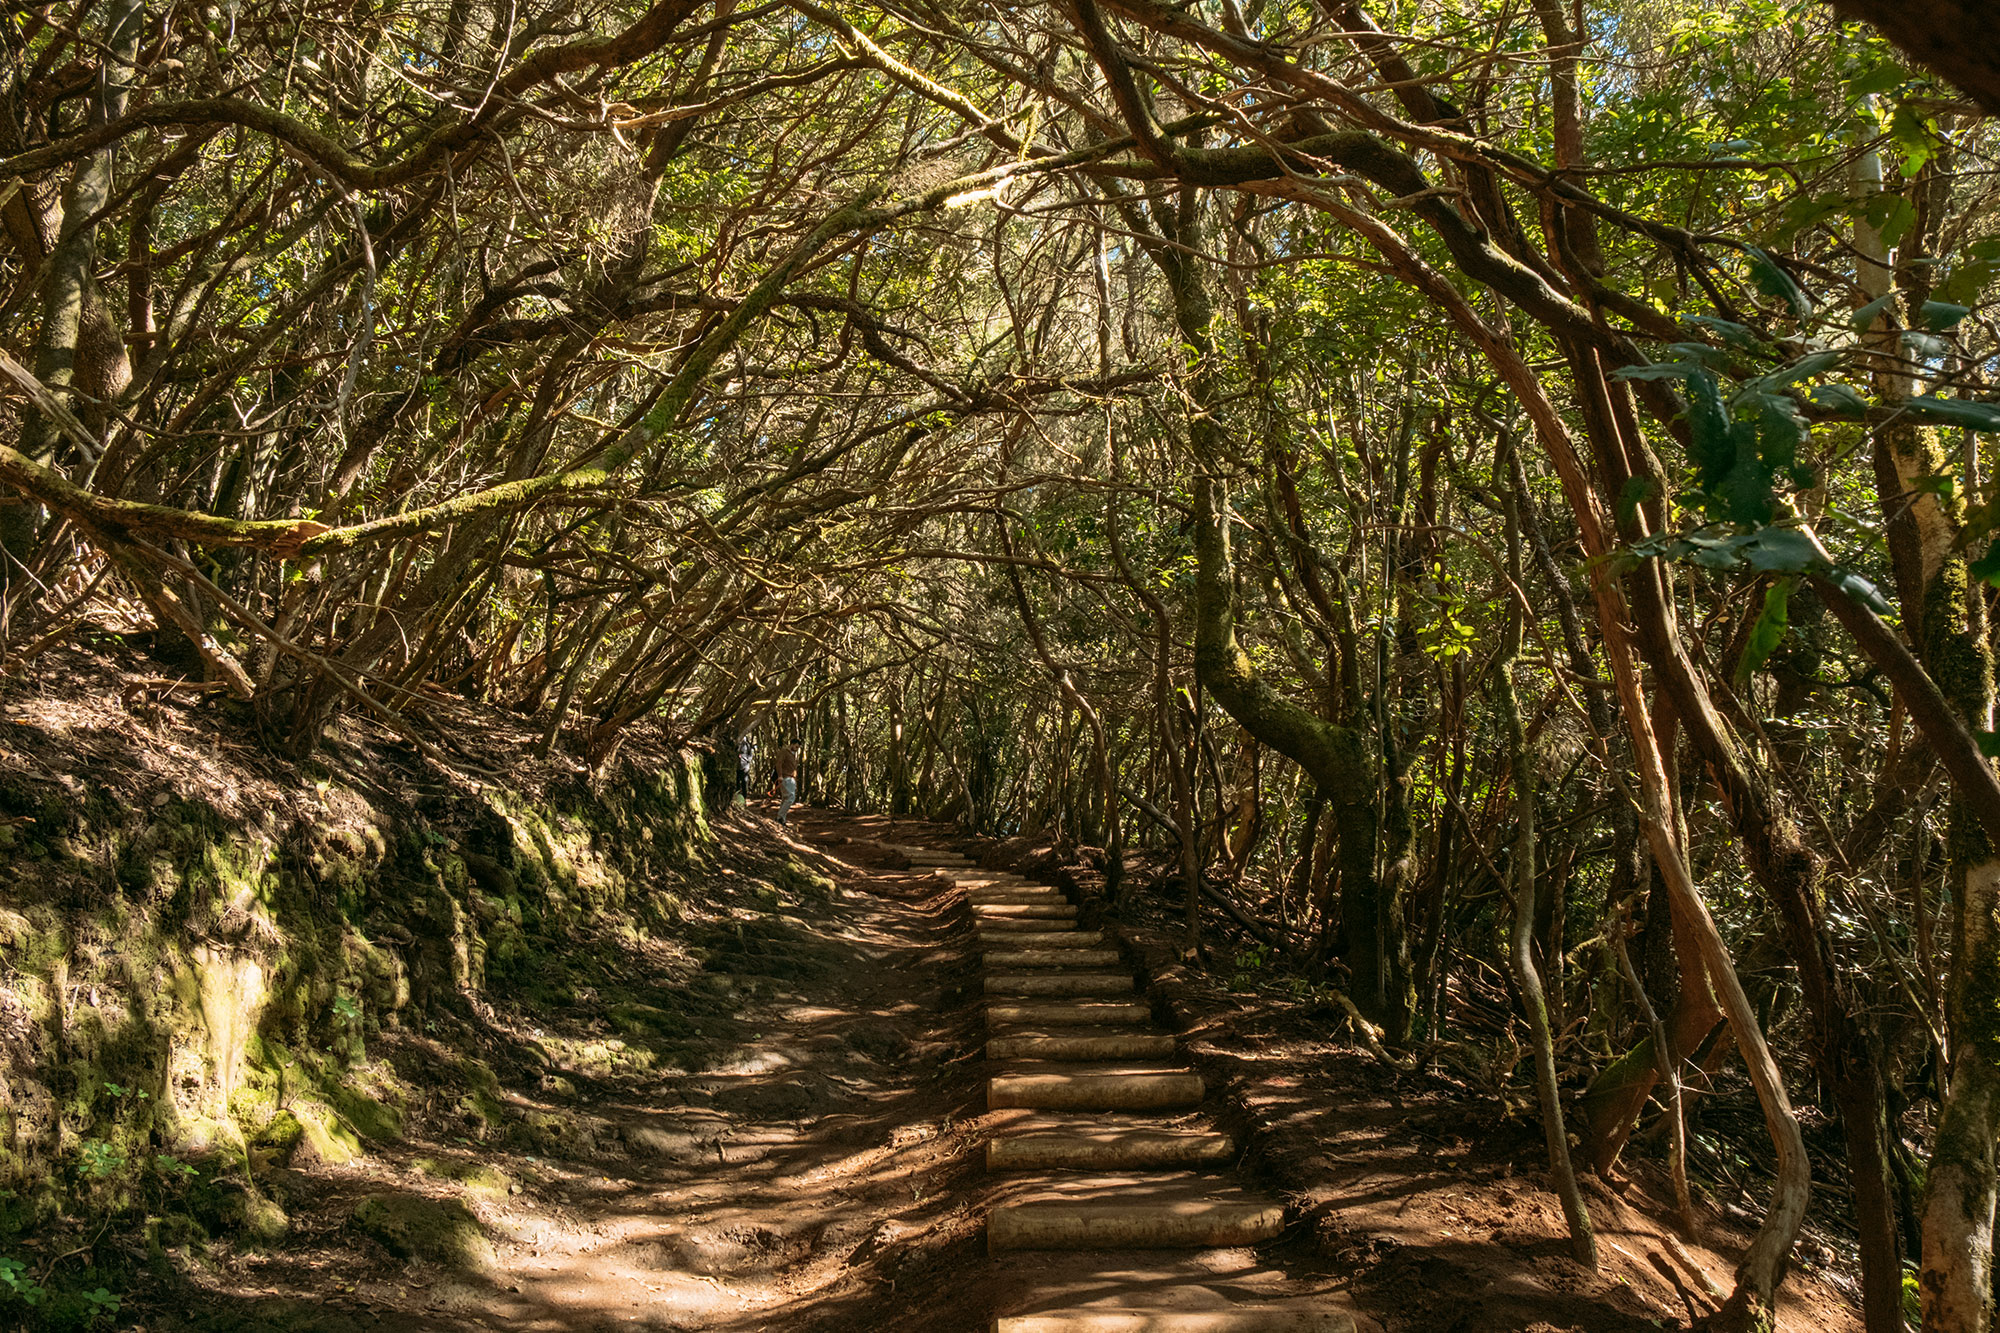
(786, 1179)
(779, 1119)
(755, 1120)
(1117, 1209)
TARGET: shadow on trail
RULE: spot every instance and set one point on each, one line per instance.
(761, 1127)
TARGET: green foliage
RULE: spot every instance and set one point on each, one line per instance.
(17, 1285)
(99, 1160)
(1769, 630)
(173, 1168)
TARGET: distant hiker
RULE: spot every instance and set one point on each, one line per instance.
(746, 755)
(787, 766)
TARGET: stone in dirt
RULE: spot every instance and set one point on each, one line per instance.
(443, 1231)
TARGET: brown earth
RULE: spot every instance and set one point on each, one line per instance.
(805, 1154)
(1432, 1189)
(810, 1169)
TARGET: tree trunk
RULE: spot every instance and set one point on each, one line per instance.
(1334, 757)
(1521, 937)
(1960, 39)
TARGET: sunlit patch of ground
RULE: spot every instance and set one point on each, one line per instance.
(791, 1156)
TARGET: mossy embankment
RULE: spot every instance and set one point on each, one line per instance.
(216, 968)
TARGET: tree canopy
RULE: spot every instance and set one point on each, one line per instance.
(1461, 482)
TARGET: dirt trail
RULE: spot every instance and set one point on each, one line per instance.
(772, 1188)
(816, 1151)
(800, 1163)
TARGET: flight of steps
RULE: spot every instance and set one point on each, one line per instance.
(1107, 1146)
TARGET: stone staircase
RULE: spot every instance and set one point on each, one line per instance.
(1121, 1213)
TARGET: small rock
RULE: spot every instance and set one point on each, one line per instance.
(412, 1227)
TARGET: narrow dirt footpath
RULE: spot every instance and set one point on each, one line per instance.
(805, 1109)
(789, 1182)
(759, 1124)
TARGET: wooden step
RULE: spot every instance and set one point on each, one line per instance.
(931, 857)
(1022, 895)
(1019, 911)
(1116, 1090)
(1145, 1224)
(1052, 958)
(1106, 1014)
(1108, 1150)
(1265, 1319)
(1033, 935)
(991, 926)
(1115, 1046)
(1060, 983)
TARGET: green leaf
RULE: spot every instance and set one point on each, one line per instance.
(1700, 354)
(1987, 567)
(1864, 318)
(1636, 491)
(1924, 345)
(1890, 215)
(1967, 281)
(1956, 412)
(1654, 370)
(1769, 631)
(1840, 399)
(1737, 335)
(1782, 551)
(1746, 491)
(1779, 431)
(1774, 282)
(1701, 549)
(1861, 590)
(1711, 444)
(1785, 376)
(1877, 79)
(1917, 137)
(1937, 316)
(1808, 210)
(1988, 743)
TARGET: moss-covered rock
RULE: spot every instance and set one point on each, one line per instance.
(442, 1231)
(371, 1117)
(233, 1205)
(796, 878)
(477, 1179)
(186, 977)
(325, 1142)
(280, 1139)
(556, 1134)
(632, 1019)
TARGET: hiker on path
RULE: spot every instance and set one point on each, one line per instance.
(746, 755)
(787, 766)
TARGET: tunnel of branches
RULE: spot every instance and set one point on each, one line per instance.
(1490, 497)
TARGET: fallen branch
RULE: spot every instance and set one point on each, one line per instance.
(1371, 1036)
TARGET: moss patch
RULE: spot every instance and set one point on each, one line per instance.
(234, 962)
(412, 1227)
(477, 1179)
